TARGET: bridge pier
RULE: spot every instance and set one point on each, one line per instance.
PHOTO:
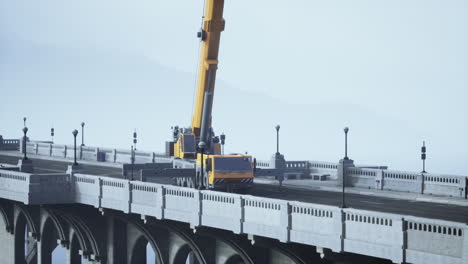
(7, 242)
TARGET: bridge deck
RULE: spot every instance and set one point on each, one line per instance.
(357, 201)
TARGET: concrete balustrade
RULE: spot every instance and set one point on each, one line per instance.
(9, 144)
(391, 236)
(90, 153)
(362, 177)
(424, 183)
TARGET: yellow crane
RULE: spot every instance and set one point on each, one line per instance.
(198, 145)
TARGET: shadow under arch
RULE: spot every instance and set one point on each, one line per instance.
(6, 219)
(235, 259)
(51, 216)
(23, 221)
(49, 237)
(85, 238)
(146, 236)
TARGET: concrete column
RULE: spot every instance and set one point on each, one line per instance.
(420, 187)
(160, 203)
(128, 204)
(195, 221)
(465, 245)
(7, 242)
(114, 155)
(379, 177)
(73, 257)
(25, 165)
(96, 151)
(285, 222)
(239, 203)
(341, 172)
(117, 241)
(44, 251)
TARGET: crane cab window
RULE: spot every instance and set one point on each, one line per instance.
(232, 164)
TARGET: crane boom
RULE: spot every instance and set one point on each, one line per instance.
(210, 34)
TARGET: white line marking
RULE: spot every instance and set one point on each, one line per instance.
(370, 202)
(62, 171)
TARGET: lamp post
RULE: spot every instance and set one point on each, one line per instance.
(25, 131)
(277, 138)
(223, 140)
(134, 139)
(423, 157)
(75, 133)
(202, 146)
(346, 130)
(82, 133)
(52, 133)
(343, 204)
(132, 159)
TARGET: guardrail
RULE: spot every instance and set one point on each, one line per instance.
(401, 239)
(423, 183)
(9, 144)
(375, 178)
(93, 153)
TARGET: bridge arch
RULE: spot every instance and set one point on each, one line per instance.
(48, 242)
(24, 224)
(23, 217)
(49, 217)
(178, 244)
(80, 234)
(144, 237)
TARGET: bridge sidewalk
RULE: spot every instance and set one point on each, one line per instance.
(332, 186)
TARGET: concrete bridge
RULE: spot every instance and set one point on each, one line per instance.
(110, 220)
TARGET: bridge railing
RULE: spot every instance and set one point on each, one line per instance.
(9, 144)
(90, 153)
(35, 188)
(384, 235)
(263, 164)
(423, 183)
(374, 178)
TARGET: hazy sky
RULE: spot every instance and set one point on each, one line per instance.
(395, 72)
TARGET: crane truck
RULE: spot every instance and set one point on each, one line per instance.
(197, 146)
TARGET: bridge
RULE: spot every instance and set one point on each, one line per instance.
(97, 212)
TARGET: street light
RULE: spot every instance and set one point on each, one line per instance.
(277, 138)
(24, 121)
(343, 204)
(132, 159)
(423, 156)
(82, 133)
(202, 146)
(346, 130)
(52, 132)
(134, 138)
(75, 133)
(223, 140)
(25, 131)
